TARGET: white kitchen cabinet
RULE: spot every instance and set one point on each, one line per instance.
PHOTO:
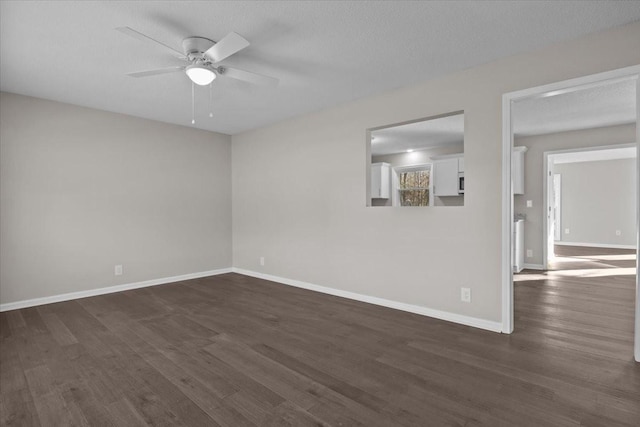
(517, 169)
(446, 175)
(517, 244)
(380, 180)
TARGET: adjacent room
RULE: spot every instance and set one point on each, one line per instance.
(282, 213)
(575, 216)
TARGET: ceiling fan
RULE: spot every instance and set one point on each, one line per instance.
(201, 54)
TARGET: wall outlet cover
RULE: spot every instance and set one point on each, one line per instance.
(529, 203)
(262, 261)
(529, 253)
(566, 231)
(618, 233)
(465, 294)
(118, 270)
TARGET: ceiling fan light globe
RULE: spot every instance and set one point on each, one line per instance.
(200, 74)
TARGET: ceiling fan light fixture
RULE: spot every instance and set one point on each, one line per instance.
(200, 74)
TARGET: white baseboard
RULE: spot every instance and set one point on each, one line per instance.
(109, 289)
(534, 267)
(442, 315)
(424, 311)
(594, 245)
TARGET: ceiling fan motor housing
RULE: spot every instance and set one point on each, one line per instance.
(195, 47)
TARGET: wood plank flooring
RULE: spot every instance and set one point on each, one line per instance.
(237, 351)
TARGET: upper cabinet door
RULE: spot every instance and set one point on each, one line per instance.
(380, 180)
(517, 169)
(445, 177)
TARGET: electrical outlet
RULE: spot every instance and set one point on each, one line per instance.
(529, 203)
(529, 253)
(566, 231)
(262, 261)
(118, 270)
(618, 233)
(465, 294)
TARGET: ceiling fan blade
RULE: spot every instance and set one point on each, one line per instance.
(138, 35)
(158, 71)
(248, 76)
(230, 44)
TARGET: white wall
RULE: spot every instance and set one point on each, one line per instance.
(299, 194)
(534, 179)
(83, 190)
(599, 198)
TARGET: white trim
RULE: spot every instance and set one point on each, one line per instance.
(632, 72)
(507, 216)
(424, 311)
(594, 245)
(109, 289)
(578, 83)
(547, 172)
(534, 267)
(637, 324)
(628, 151)
(412, 168)
(594, 148)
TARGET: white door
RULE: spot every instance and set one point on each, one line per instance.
(557, 206)
(550, 230)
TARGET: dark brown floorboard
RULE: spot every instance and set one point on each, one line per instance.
(237, 351)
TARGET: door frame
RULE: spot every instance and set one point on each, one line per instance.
(556, 204)
(566, 86)
(547, 193)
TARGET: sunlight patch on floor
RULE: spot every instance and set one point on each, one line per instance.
(619, 257)
(595, 272)
(571, 259)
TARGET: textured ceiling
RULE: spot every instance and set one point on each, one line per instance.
(418, 135)
(604, 105)
(324, 53)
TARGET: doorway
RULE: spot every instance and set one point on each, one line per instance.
(566, 87)
(600, 190)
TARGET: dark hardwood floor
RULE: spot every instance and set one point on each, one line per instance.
(237, 351)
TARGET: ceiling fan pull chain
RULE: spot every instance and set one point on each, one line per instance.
(193, 104)
(210, 99)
